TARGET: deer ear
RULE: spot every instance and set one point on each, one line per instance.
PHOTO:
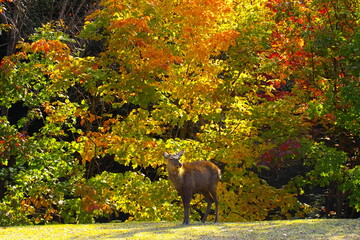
(166, 155)
(181, 153)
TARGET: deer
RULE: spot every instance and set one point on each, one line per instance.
(189, 178)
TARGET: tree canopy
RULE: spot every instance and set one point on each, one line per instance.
(96, 91)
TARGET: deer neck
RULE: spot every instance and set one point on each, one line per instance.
(176, 176)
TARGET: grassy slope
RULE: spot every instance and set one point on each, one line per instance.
(295, 229)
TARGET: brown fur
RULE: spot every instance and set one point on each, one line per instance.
(196, 177)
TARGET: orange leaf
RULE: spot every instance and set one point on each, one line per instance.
(92, 118)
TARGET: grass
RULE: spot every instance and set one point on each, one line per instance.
(294, 229)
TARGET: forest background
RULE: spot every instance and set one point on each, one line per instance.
(93, 92)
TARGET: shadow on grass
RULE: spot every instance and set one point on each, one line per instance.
(145, 230)
(297, 229)
(332, 229)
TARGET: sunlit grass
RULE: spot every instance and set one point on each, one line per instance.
(296, 229)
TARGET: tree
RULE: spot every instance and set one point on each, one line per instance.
(318, 60)
(245, 84)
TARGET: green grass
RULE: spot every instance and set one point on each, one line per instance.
(295, 229)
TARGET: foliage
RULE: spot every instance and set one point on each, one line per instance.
(330, 168)
(38, 172)
(255, 86)
(135, 195)
(319, 63)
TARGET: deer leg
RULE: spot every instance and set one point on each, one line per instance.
(186, 202)
(209, 199)
(208, 208)
(215, 198)
(216, 210)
